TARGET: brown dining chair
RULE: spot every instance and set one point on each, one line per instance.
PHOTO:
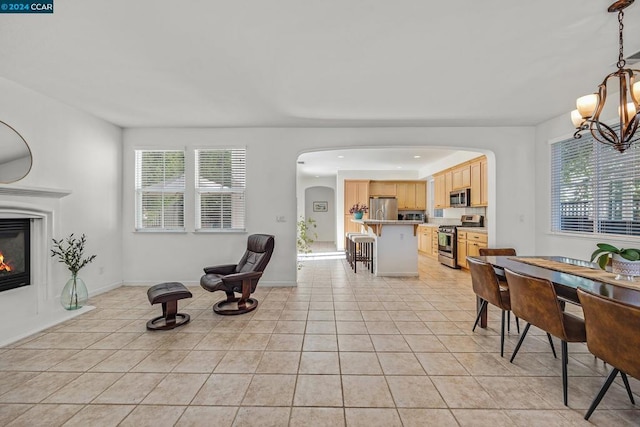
(612, 335)
(489, 289)
(535, 301)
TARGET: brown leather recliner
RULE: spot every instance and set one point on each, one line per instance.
(242, 277)
(612, 335)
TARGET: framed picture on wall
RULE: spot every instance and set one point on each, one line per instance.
(320, 206)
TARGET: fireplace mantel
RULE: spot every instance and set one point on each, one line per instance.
(13, 190)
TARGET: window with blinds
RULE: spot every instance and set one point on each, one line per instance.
(594, 188)
(220, 189)
(159, 190)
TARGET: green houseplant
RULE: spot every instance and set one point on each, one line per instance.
(306, 236)
(70, 252)
(624, 262)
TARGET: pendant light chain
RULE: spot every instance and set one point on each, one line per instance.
(621, 60)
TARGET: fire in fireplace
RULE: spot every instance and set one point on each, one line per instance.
(15, 253)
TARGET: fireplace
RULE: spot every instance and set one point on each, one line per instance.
(15, 253)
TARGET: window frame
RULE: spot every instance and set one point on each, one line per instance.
(139, 191)
(240, 191)
(593, 210)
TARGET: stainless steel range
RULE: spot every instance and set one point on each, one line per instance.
(447, 239)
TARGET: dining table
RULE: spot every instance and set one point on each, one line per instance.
(567, 275)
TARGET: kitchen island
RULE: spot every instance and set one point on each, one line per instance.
(395, 252)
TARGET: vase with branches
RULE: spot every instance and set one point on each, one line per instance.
(70, 252)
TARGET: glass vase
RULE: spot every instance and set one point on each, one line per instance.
(74, 294)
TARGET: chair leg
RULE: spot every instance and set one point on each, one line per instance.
(517, 323)
(483, 307)
(551, 344)
(601, 393)
(504, 314)
(625, 380)
(524, 334)
(508, 321)
(565, 362)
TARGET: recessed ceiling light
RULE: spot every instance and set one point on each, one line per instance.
(398, 167)
(317, 176)
(341, 157)
(416, 157)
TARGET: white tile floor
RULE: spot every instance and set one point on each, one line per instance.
(339, 349)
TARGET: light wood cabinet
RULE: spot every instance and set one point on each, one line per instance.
(448, 187)
(434, 243)
(461, 177)
(421, 195)
(355, 191)
(479, 196)
(469, 244)
(411, 195)
(424, 239)
(461, 257)
(383, 188)
(484, 187)
(428, 241)
(439, 199)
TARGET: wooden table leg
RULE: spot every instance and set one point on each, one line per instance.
(483, 317)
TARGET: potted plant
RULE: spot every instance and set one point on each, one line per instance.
(358, 210)
(70, 252)
(306, 236)
(624, 262)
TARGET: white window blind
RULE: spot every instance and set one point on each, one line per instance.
(160, 189)
(595, 189)
(220, 189)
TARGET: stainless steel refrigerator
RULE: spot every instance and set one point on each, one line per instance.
(383, 208)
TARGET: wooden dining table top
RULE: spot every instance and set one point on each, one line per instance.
(566, 284)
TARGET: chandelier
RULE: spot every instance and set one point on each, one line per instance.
(589, 107)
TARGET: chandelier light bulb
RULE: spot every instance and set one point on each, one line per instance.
(587, 104)
(576, 118)
(631, 112)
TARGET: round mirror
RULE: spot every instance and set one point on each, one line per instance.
(15, 155)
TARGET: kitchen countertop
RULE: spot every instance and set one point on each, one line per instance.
(482, 230)
(388, 221)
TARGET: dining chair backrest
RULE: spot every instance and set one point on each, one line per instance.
(497, 252)
(535, 301)
(485, 283)
(612, 331)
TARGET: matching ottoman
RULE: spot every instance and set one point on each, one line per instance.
(168, 294)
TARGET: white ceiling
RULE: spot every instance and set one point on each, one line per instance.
(289, 63)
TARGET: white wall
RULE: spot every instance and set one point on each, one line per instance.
(271, 181)
(325, 221)
(75, 151)
(549, 243)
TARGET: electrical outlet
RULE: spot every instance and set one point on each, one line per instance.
(280, 218)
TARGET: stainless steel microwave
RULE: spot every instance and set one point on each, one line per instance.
(460, 198)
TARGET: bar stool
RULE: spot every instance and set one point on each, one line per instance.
(350, 246)
(365, 253)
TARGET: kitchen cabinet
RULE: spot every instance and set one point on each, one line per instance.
(382, 188)
(434, 243)
(469, 244)
(448, 187)
(424, 239)
(421, 195)
(461, 177)
(406, 195)
(355, 191)
(461, 257)
(479, 196)
(439, 197)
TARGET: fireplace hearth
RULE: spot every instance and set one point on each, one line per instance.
(15, 253)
